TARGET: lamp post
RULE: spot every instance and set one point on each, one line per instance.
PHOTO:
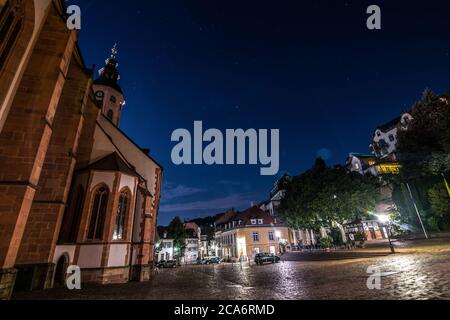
(384, 219)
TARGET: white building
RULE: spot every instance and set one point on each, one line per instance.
(165, 250)
(385, 136)
(193, 243)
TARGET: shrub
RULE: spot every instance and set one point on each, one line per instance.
(327, 242)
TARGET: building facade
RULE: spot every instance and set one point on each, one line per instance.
(165, 250)
(385, 137)
(240, 236)
(74, 189)
(192, 251)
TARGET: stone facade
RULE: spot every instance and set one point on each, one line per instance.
(74, 189)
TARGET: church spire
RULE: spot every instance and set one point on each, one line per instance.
(108, 91)
(110, 71)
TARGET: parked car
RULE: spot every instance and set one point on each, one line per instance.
(262, 258)
(214, 260)
(164, 264)
(202, 261)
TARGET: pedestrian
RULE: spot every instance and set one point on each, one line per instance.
(352, 239)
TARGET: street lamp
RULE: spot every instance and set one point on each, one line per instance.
(384, 219)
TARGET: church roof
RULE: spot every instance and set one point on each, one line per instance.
(112, 162)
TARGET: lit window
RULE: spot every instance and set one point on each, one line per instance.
(122, 210)
(98, 213)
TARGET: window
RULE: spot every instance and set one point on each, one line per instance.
(122, 210)
(76, 215)
(100, 94)
(255, 237)
(260, 221)
(98, 213)
(113, 99)
(271, 236)
(72, 217)
(253, 221)
(391, 138)
(10, 26)
(110, 114)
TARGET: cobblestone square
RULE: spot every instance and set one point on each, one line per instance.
(418, 271)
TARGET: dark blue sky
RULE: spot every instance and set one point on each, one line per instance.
(309, 68)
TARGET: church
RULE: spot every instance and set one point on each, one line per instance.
(74, 188)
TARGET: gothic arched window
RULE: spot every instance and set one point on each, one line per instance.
(122, 211)
(72, 217)
(98, 213)
(11, 22)
(77, 208)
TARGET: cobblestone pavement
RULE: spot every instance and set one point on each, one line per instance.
(419, 273)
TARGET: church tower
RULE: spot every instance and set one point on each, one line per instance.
(108, 91)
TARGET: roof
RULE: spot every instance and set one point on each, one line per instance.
(390, 125)
(362, 155)
(144, 151)
(253, 213)
(112, 162)
(161, 230)
(225, 217)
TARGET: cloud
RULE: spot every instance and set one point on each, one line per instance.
(225, 203)
(173, 191)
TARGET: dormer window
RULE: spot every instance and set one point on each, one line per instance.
(253, 221)
(260, 221)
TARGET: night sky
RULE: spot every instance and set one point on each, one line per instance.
(309, 68)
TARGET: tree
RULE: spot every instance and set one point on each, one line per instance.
(323, 196)
(177, 232)
(424, 154)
